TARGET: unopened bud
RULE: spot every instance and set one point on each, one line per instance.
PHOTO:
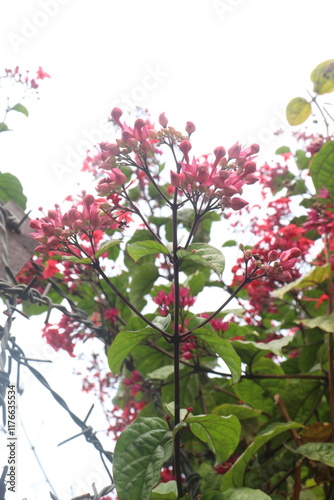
(163, 120)
(190, 128)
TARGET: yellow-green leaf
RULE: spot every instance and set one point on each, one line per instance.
(323, 77)
(298, 110)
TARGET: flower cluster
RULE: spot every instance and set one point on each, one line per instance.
(58, 231)
(166, 300)
(63, 335)
(220, 179)
(17, 76)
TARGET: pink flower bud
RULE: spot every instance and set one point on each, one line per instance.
(190, 128)
(140, 132)
(116, 113)
(112, 149)
(290, 254)
(250, 167)
(234, 150)
(88, 200)
(238, 203)
(185, 146)
(119, 177)
(272, 255)
(163, 120)
(175, 179)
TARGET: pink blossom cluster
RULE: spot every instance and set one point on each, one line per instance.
(221, 179)
(57, 231)
(166, 300)
(283, 264)
(18, 77)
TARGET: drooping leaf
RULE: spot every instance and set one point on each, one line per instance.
(204, 254)
(298, 110)
(125, 341)
(322, 166)
(165, 491)
(105, 246)
(323, 77)
(76, 260)
(143, 278)
(223, 348)
(161, 373)
(326, 323)
(247, 350)
(282, 150)
(139, 249)
(245, 494)
(321, 452)
(20, 108)
(11, 189)
(3, 127)
(314, 277)
(140, 452)
(222, 434)
(234, 478)
(241, 411)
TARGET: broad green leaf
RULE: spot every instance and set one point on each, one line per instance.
(314, 277)
(222, 434)
(165, 491)
(212, 495)
(282, 150)
(247, 350)
(229, 243)
(326, 323)
(321, 452)
(234, 478)
(139, 249)
(170, 409)
(161, 373)
(11, 189)
(301, 159)
(189, 387)
(298, 110)
(3, 127)
(20, 108)
(321, 168)
(106, 245)
(143, 278)
(140, 452)
(76, 260)
(204, 254)
(125, 341)
(250, 392)
(223, 348)
(241, 411)
(323, 77)
(245, 494)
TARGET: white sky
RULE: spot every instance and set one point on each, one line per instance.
(230, 66)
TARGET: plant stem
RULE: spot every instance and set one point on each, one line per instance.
(176, 344)
(330, 339)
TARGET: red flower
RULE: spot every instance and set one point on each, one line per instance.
(41, 74)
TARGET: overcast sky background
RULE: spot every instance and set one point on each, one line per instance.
(230, 66)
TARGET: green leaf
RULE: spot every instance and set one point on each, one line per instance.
(229, 243)
(11, 189)
(321, 452)
(165, 491)
(161, 373)
(223, 348)
(105, 246)
(125, 341)
(143, 278)
(204, 254)
(301, 159)
(245, 494)
(326, 323)
(282, 150)
(234, 478)
(323, 77)
(20, 108)
(140, 452)
(222, 434)
(212, 495)
(3, 127)
(76, 260)
(141, 248)
(242, 412)
(247, 350)
(322, 166)
(254, 395)
(314, 277)
(298, 110)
